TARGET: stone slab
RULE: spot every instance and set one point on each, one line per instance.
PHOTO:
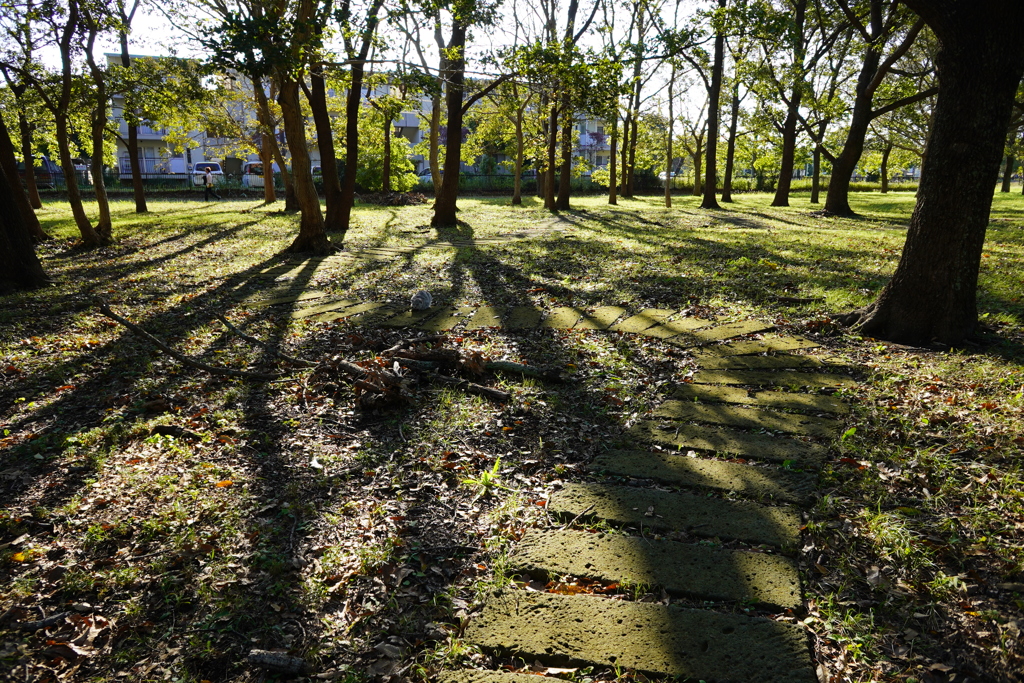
(447, 318)
(768, 378)
(748, 418)
(746, 480)
(811, 403)
(601, 318)
(562, 318)
(291, 298)
(472, 676)
(741, 348)
(728, 331)
(349, 312)
(783, 361)
(522, 317)
(739, 520)
(732, 442)
(667, 640)
(410, 318)
(674, 328)
(485, 316)
(695, 571)
(322, 308)
(649, 317)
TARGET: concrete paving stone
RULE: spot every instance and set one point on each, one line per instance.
(740, 520)
(747, 480)
(649, 317)
(472, 676)
(562, 318)
(448, 318)
(410, 318)
(715, 362)
(810, 403)
(323, 308)
(695, 571)
(768, 378)
(741, 348)
(485, 316)
(349, 312)
(521, 318)
(600, 319)
(669, 640)
(748, 418)
(674, 328)
(286, 299)
(721, 332)
(731, 442)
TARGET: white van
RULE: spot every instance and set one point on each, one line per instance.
(199, 173)
(252, 173)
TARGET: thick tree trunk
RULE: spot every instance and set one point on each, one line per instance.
(932, 294)
(90, 238)
(884, 170)
(792, 111)
(552, 151)
(446, 202)
(312, 237)
(267, 122)
(434, 141)
(30, 163)
(633, 136)
(19, 266)
(730, 152)
(9, 164)
(138, 189)
(837, 200)
(267, 159)
(710, 200)
(325, 143)
(613, 182)
(104, 225)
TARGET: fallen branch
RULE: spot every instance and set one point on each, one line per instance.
(277, 662)
(105, 310)
(470, 388)
(43, 623)
(266, 346)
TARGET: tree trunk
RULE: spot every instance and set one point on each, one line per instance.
(104, 225)
(549, 167)
(633, 135)
(698, 178)
(9, 164)
(19, 266)
(668, 145)
(30, 163)
(446, 202)
(434, 141)
(267, 159)
(792, 111)
(884, 170)
(517, 186)
(565, 172)
(312, 237)
(1008, 172)
(138, 189)
(613, 183)
(325, 143)
(90, 238)
(710, 200)
(267, 122)
(816, 178)
(932, 294)
(837, 200)
(386, 166)
(623, 173)
(730, 152)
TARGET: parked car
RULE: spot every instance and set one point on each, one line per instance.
(82, 169)
(47, 173)
(199, 172)
(252, 173)
(661, 176)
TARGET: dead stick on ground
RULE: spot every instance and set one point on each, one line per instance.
(471, 388)
(266, 346)
(105, 310)
(577, 517)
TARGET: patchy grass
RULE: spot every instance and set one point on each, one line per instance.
(281, 516)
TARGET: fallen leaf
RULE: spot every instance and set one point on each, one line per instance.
(225, 483)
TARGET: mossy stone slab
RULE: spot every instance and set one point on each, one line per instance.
(562, 318)
(767, 378)
(601, 318)
(287, 299)
(742, 348)
(648, 317)
(721, 332)
(740, 520)
(674, 328)
(447, 318)
(471, 676)
(748, 418)
(746, 480)
(666, 640)
(731, 442)
(780, 362)
(808, 403)
(410, 318)
(485, 316)
(695, 571)
(322, 308)
(350, 311)
(522, 317)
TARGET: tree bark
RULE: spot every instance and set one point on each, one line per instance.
(9, 164)
(565, 170)
(552, 151)
(267, 159)
(325, 143)
(30, 163)
(932, 296)
(446, 202)
(710, 200)
(1010, 163)
(668, 145)
(104, 225)
(884, 170)
(267, 122)
(613, 182)
(730, 152)
(312, 237)
(138, 189)
(19, 266)
(816, 178)
(517, 187)
(793, 109)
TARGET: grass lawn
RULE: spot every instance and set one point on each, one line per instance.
(184, 518)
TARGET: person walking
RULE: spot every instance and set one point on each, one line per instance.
(208, 186)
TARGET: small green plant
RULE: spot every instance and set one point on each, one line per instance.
(487, 480)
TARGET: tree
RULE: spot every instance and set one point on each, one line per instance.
(19, 265)
(932, 296)
(126, 17)
(9, 163)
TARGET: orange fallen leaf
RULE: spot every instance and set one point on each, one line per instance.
(224, 484)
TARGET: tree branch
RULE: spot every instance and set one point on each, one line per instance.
(923, 95)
